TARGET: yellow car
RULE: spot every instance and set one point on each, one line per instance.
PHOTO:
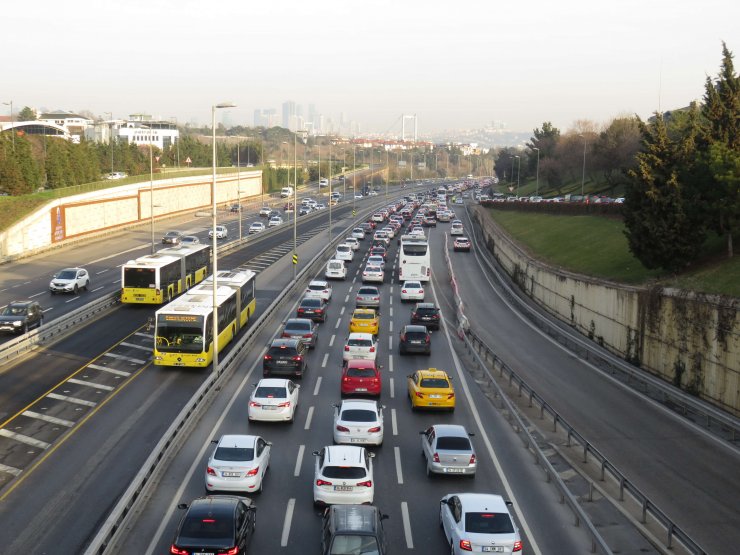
(431, 388)
(364, 320)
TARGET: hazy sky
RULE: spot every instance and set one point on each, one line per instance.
(455, 64)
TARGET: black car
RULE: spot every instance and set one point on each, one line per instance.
(302, 328)
(426, 314)
(172, 238)
(21, 316)
(415, 339)
(234, 208)
(215, 524)
(313, 308)
(353, 529)
(285, 357)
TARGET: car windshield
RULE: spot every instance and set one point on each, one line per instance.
(437, 383)
(453, 443)
(67, 274)
(344, 472)
(364, 316)
(354, 545)
(359, 415)
(203, 526)
(360, 372)
(265, 392)
(14, 310)
(234, 454)
(488, 523)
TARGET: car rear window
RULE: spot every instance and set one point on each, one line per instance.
(298, 326)
(355, 342)
(234, 453)
(426, 311)
(360, 372)
(488, 523)
(316, 287)
(454, 443)
(311, 302)
(412, 284)
(359, 415)
(271, 392)
(344, 472)
(282, 351)
(208, 527)
(435, 382)
(416, 335)
(367, 291)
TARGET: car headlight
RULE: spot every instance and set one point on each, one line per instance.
(17, 323)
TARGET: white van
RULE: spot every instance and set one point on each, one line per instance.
(286, 192)
(323, 182)
(335, 269)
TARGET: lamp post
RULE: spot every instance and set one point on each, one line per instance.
(511, 175)
(583, 174)
(329, 188)
(518, 172)
(151, 192)
(388, 175)
(213, 230)
(239, 186)
(354, 177)
(110, 138)
(537, 174)
(295, 196)
(12, 123)
(177, 141)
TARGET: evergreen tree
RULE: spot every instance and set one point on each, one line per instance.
(27, 114)
(11, 176)
(664, 227)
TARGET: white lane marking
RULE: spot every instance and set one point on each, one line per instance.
(299, 461)
(390, 301)
(128, 359)
(147, 335)
(390, 363)
(399, 472)
(406, 525)
(339, 321)
(390, 342)
(462, 380)
(394, 422)
(354, 279)
(346, 299)
(47, 418)
(341, 312)
(91, 384)
(287, 522)
(323, 362)
(393, 388)
(390, 312)
(73, 299)
(390, 326)
(73, 400)
(331, 341)
(318, 385)
(198, 460)
(116, 254)
(10, 469)
(110, 370)
(97, 289)
(101, 271)
(36, 295)
(309, 416)
(134, 346)
(391, 290)
(45, 310)
(24, 439)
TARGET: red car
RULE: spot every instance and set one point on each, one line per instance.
(361, 377)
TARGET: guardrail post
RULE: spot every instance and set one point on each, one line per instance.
(603, 470)
(590, 491)
(621, 488)
(585, 452)
(644, 511)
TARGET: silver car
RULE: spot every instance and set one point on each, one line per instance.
(375, 274)
(238, 463)
(367, 296)
(447, 450)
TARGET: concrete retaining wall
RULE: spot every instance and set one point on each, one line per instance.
(689, 340)
(85, 215)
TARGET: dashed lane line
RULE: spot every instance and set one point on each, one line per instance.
(309, 416)
(91, 384)
(299, 461)
(109, 370)
(24, 439)
(73, 400)
(47, 418)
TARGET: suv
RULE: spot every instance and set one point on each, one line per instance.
(426, 314)
(285, 357)
(69, 280)
(353, 529)
(215, 524)
(21, 316)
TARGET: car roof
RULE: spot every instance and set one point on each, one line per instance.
(298, 321)
(365, 404)
(237, 440)
(350, 455)
(371, 287)
(415, 328)
(354, 518)
(360, 335)
(320, 282)
(361, 363)
(223, 505)
(284, 342)
(425, 305)
(450, 430)
(433, 373)
(21, 303)
(482, 502)
(273, 382)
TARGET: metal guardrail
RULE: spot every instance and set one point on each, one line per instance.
(648, 507)
(718, 422)
(188, 416)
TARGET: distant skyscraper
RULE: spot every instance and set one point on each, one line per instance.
(289, 112)
(265, 117)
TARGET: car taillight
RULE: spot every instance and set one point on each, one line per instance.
(210, 471)
(301, 310)
(372, 349)
(232, 551)
(307, 336)
(450, 396)
(297, 358)
(268, 357)
(345, 379)
(341, 428)
(367, 483)
(421, 291)
(435, 457)
(321, 482)
(427, 339)
(284, 405)
(419, 394)
(346, 347)
(375, 429)
(465, 545)
(403, 291)
(517, 546)
(254, 404)
(413, 315)
(403, 337)
(376, 298)
(254, 471)
(472, 459)
(177, 551)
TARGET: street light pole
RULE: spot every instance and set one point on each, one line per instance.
(537, 174)
(518, 172)
(213, 230)
(110, 138)
(151, 192)
(295, 202)
(239, 187)
(388, 175)
(330, 172)
(583, 174)
(354, 176)
(12, 123)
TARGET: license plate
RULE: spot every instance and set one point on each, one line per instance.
(282, 362)
(203, 553)
(453, 470)
(356, 440)
(493, 549)
(361, 389)
(435, 396)
(269, 407)
(231, 474)
(415, 342)
(342, 488)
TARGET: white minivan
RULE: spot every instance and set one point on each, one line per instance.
(286, 192)
(335, 269)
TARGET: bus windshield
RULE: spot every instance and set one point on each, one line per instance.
(139, 277)
(175, 336)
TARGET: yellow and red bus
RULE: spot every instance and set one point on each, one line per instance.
(160, 277)
(183, 329)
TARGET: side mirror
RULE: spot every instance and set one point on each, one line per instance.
(315, 453)
(335, 405)
(182, 506)
(471, 434)
(371, 455)
(509, 503)
(384, 517)
(422, 433)
(214, 441)
(269, 443)
(297, 385)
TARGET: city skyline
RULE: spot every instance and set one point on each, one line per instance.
(462, 69)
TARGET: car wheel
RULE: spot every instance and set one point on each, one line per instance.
(76, 290)
(52, 292)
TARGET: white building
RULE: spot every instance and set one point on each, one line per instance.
(139, 129)
(74, 124)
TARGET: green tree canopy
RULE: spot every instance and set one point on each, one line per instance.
(27, 114)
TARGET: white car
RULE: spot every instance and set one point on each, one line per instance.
(221, 232)
(335, 269)
(343, 474)
(358, 196)
(265, 211)
(358, 233)
(352, 242)
(238, 463)
(358, 421)
(344, 252)
(274, 221)
(373, 193)
(382, 236)
(377, 217)
(412, 291)
(320, 206)
(376, 260)
(373, 274)
(69, 280)
(273, 400)
(256, 227)
(319, 288)
(323, 182)
(360, 346)
(478, 522)
(457, 229)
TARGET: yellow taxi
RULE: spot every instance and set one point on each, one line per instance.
(432, 389)
(364, 320)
